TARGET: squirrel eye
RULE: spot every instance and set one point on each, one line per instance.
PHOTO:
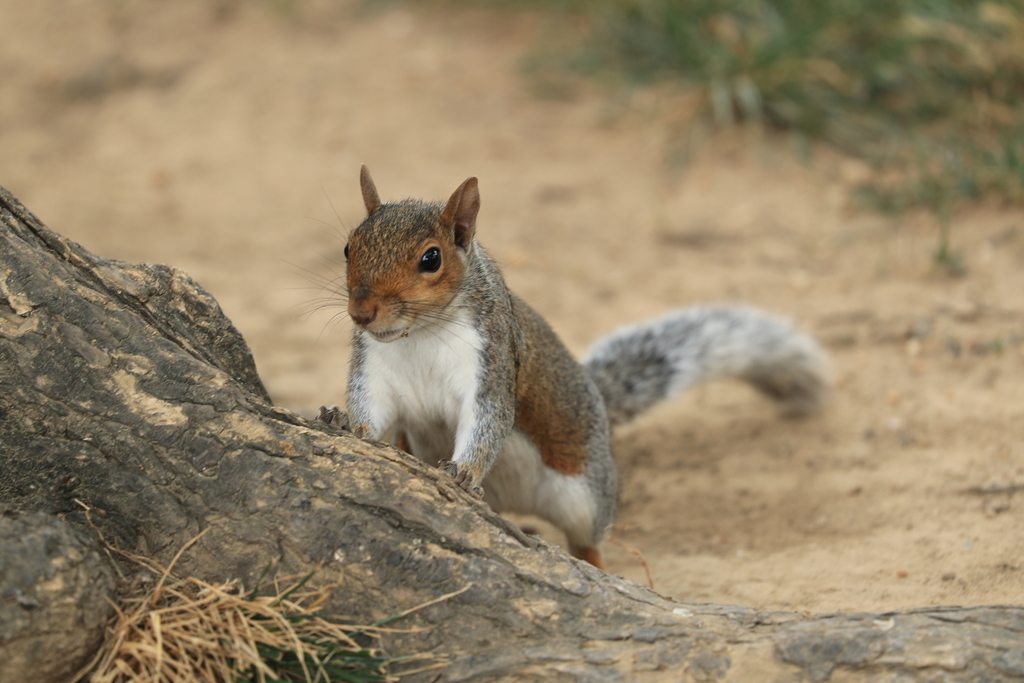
(430, 262)
(346, 252)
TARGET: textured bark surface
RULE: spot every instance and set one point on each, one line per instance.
(123, 388)
(56, 589)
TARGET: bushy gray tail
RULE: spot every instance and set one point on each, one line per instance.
(639, 365)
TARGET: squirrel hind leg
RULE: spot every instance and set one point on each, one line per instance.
(402, 442)
(587, 553)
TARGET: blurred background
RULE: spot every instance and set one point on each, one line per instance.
(858, 166)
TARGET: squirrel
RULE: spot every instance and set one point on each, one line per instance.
(463, 374)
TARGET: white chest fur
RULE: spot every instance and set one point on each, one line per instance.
(425, 385)
(426, 381)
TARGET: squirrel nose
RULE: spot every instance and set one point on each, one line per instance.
(362, 312)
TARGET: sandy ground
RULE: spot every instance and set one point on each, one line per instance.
(225, 137)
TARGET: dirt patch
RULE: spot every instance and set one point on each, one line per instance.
(225, 138)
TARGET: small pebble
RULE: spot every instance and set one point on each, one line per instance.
(884, 624)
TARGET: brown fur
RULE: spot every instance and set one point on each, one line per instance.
(370, 197)
(589, 554)
(402, 442)
(553, 435)
(553, 400)
(381, 284)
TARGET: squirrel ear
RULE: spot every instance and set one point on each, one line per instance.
(370, 196)
(461, 212)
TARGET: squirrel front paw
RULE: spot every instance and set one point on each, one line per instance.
(462, 477)
(334, 416)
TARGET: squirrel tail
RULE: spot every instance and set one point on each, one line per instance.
(639, 365)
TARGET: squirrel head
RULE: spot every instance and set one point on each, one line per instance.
(407, 259)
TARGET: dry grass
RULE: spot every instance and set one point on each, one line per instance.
(185, 630)
(190, 630)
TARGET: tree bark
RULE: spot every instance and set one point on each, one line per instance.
(56, 591)
(124, 390)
